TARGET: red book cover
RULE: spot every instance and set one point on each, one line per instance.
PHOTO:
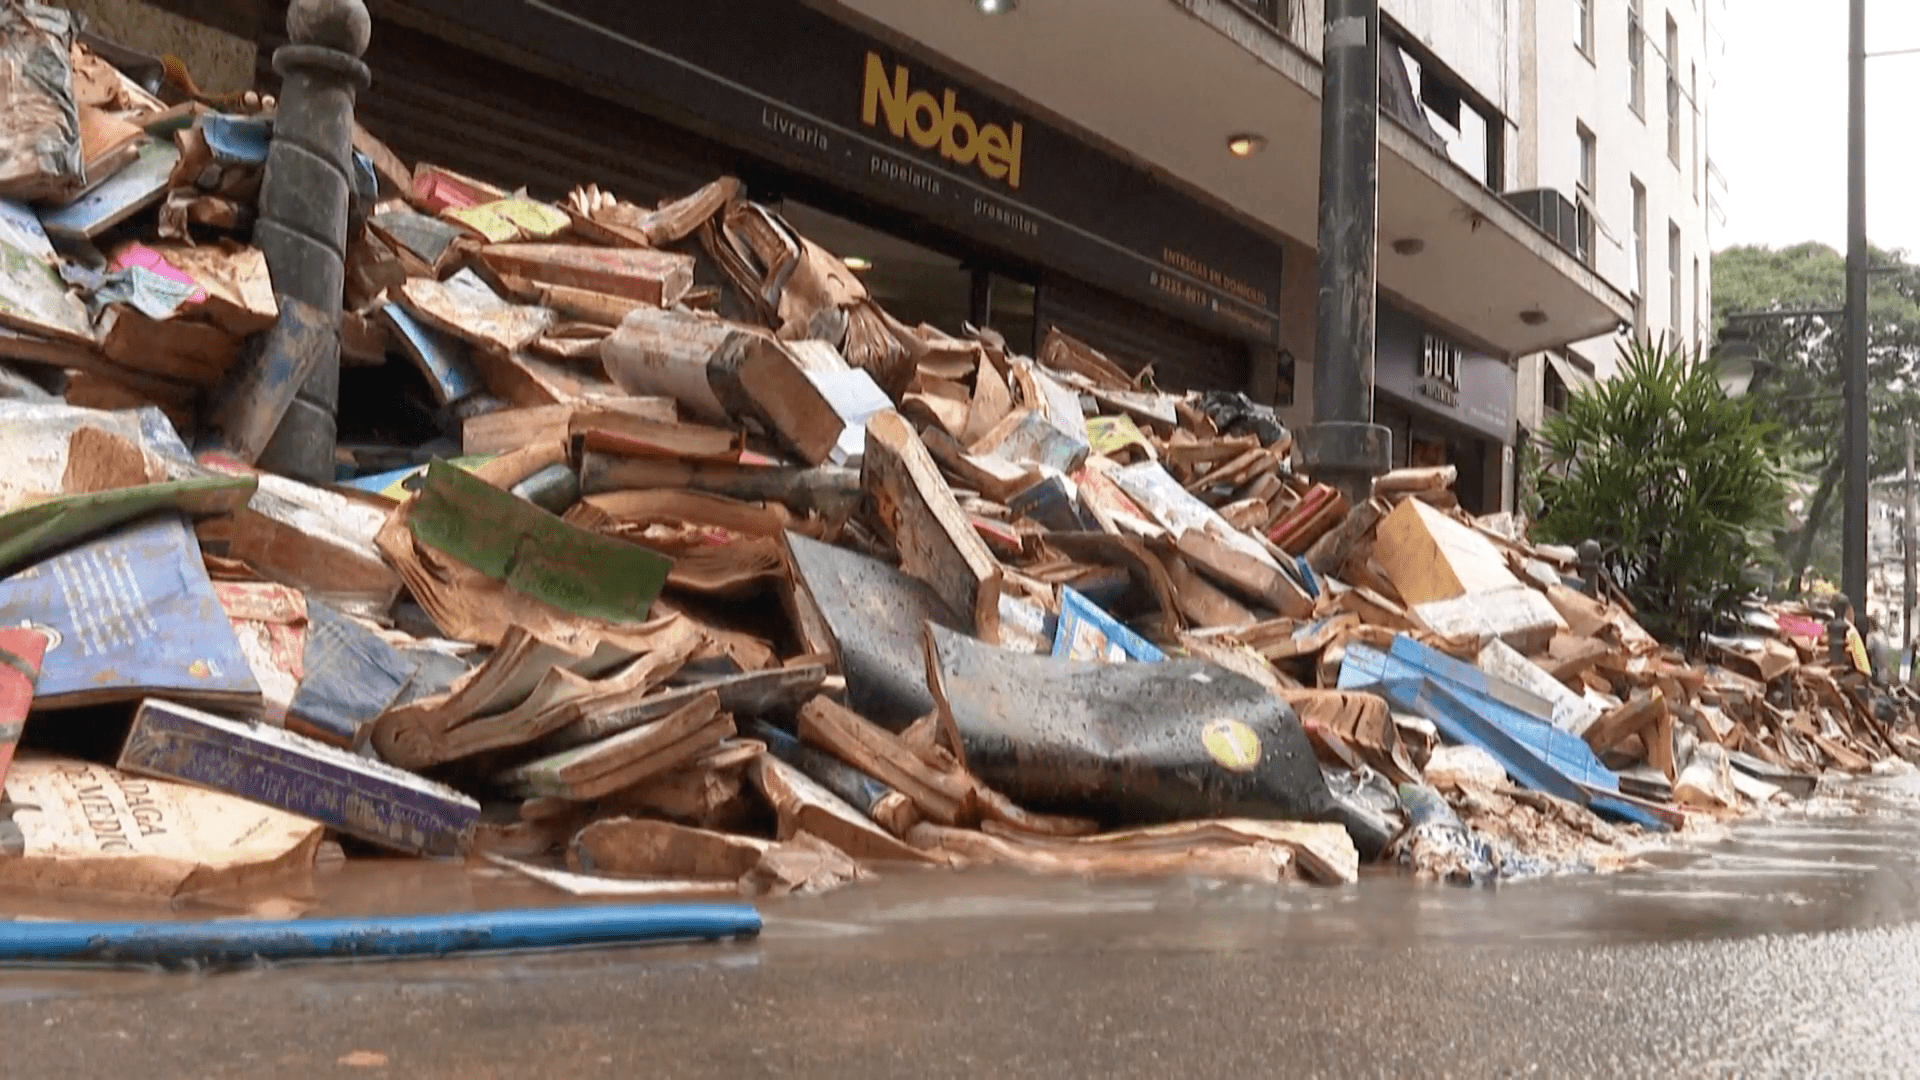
(438, 191)
(20, 652)
(1315, 500)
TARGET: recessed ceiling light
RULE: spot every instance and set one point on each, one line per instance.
(855, 262)
(1534, 317)
(995, 7)
(1245, 145)
(1411, 245)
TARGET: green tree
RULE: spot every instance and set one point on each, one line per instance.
(1801, 391)
(1680, 484)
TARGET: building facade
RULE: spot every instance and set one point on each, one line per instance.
(1143, 174)
(1616, 114)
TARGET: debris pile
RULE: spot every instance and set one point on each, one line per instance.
(659, 552)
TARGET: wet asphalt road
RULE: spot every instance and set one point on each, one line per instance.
(1792, 948)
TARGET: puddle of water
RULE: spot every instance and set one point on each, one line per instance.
(1713, 896)
(1784, 844)
(1751, 878)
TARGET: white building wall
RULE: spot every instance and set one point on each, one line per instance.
(1473, 37)
(1572, 90)
(1523, 57)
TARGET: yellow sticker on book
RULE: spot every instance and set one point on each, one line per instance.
(1231, 743)
(511, 219)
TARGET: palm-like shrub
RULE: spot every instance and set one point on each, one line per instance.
(1679, 483)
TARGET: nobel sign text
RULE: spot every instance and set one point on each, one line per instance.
(938, 123)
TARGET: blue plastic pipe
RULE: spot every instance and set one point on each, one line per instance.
(175, 944)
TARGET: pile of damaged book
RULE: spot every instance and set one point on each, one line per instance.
(666, 561)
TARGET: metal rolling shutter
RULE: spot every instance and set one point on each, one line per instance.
(436, 102)
(1134, 335)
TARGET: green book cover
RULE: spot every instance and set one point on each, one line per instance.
(533, 552)
(45, 527)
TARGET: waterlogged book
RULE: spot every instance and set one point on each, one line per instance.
(128, 615)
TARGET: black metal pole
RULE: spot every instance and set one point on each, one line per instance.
(1344, 447)
(1854, 520)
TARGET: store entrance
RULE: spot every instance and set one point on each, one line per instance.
(1428, 447)
(1419, 442)
(917, 284)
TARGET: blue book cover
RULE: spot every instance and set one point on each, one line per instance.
(445, 360)
(1087, 633)
(129, 615)
(1469, 707)
(116, 197)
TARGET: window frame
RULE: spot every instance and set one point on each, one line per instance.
(1491, 173)
(1554, 393)
(1673, 91)
(1693, 100)
(1699, 308)
(1676, 267)
(1636, 60)
(1639, 253)
(1589, 176)
(1270, 13)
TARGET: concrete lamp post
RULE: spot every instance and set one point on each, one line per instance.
(303, 212)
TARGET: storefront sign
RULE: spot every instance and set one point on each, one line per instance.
(781, 79)
(1436, 377)
(1440, 370)
(934, 123)
(1440, 360)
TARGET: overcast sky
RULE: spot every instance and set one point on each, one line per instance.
(1779, 124)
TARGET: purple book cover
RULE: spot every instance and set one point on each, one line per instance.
(357, 795)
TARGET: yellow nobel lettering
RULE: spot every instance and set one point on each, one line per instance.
(995, 151)
(928, 135)
(932, 122)
(877, 96)
(960, 153)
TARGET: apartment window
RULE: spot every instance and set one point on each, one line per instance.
(1554, 391)
(1272, 12)
(1639, 256)
(1673, 92)
(1584, 188)
(1699, 310)
(1677, 315)
(1589, 159)
(1583, 34)
(1693, 98)
(1467, 128)
(1636, 61)
(1563, 375)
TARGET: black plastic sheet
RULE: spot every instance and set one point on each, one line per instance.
(1125, 744)
(1237, 414)
(874, 614)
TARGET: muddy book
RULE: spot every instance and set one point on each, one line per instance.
(128, 615)
(359, 796)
